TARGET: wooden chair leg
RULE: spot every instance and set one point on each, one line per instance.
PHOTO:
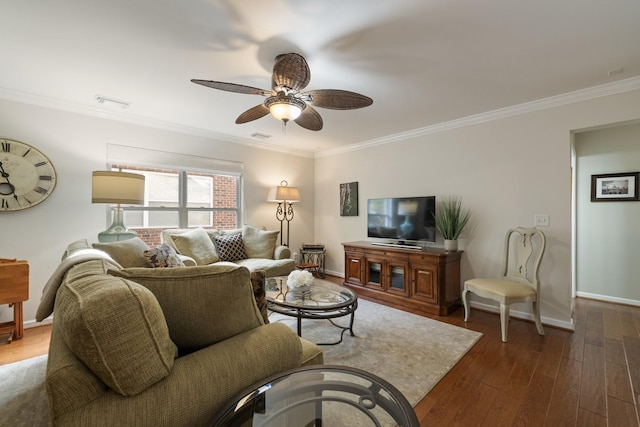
(536, 316)
(465, 303)
(504, 320)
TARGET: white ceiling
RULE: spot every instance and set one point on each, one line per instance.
(423, 62)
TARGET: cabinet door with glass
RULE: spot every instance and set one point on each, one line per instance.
(397, 277)
(387, 275)
(375, 273)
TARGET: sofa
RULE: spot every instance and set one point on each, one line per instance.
(253, 247)
(156, 346)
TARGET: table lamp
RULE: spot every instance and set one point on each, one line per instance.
(117, 188)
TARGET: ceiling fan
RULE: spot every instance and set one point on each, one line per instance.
(285, 101)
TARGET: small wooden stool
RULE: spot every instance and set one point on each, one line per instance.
(310, 267)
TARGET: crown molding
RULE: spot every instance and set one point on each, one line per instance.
(621, 86)
(57, 104)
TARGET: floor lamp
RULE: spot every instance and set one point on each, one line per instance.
(117, 188)
(284, 196)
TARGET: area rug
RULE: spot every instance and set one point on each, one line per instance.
(411, 352)
(23, 398)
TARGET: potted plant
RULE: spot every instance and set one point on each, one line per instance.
(451, 219)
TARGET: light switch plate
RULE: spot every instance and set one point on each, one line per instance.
(541, 220)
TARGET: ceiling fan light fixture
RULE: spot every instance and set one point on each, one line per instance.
(286, 101)
(285, 108)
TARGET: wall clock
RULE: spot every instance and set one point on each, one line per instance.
(27, 176)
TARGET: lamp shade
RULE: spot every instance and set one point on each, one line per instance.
(408, 208)
(117, 188)
(283, 193)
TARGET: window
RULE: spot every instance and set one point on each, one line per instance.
(184, 199)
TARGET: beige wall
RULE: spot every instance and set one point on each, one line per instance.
(505, 170)
(77, 145)
(608, 233)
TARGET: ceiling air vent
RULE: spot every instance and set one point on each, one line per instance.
(111, 102)
(260, 136)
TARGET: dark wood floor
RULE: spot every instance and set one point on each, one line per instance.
(590, 377)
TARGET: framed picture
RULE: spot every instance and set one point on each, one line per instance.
(349, 199)
(615, 187)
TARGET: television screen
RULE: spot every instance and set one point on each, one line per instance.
(407, 218)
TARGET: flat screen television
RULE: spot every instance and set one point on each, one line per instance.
(402, 218)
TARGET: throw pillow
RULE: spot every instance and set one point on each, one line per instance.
(203, 304)
(118, 330)
(127, 253)
(198, 245)
(76, 246)
(259, 243)
(258, 279)
(162, 256)
(230, 248)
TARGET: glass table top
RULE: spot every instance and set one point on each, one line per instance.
(322, 295)
(327, 395)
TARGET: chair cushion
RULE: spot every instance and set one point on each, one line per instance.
(127, 253)
(204, 304)
(259, 243)
(117, 328)
(198, 245)
(162, 256)
(503, 288)
(230, 248)
(272, 267)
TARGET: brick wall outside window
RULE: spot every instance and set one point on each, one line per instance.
(224, 210)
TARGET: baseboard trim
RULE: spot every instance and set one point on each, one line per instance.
(606, 298)
(556, 323)
(34, 324)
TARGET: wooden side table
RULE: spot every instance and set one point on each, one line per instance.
(14, 289)
(313, 256)
(310, 267)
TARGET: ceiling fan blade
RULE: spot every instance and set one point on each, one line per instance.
(338, 99)
(253, 113)
(309, 119)
(232, 87)
(292, 71)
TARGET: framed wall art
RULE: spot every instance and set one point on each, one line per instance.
(615, 187)
(349, 199)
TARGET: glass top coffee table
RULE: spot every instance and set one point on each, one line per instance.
(324, 300)
(319, 395)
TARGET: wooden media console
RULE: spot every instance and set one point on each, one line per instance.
(427, 279)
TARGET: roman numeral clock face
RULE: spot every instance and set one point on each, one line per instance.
(27, 176)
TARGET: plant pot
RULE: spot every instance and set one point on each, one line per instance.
(450, 245)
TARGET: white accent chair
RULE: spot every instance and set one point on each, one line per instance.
(519, 282)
